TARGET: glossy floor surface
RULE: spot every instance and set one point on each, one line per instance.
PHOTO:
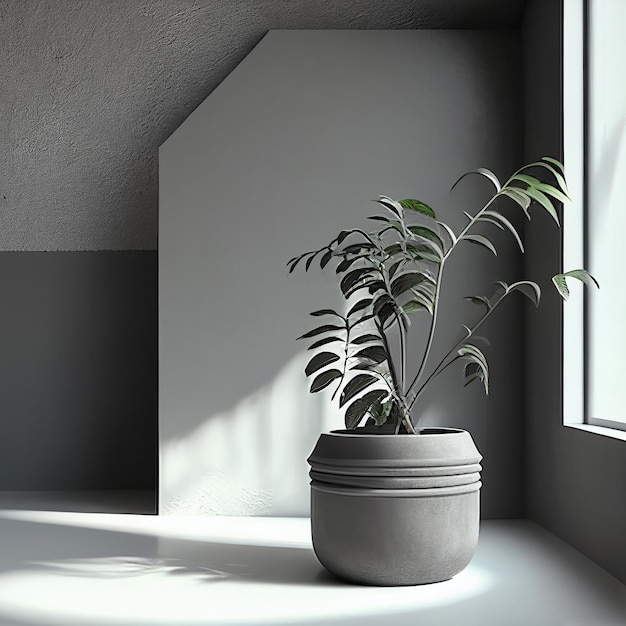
(88, 569)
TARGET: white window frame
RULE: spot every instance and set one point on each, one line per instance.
(573, 227)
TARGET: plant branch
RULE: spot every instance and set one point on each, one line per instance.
(440, 366)
(433, 322)
(431, 332)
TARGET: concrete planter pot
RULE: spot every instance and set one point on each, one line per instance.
(395, 509)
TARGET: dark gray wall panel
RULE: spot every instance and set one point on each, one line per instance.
(287, 151)
(78, 370)
(575, 481)
(90, 90)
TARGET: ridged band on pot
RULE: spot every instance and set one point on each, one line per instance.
(395, 509)
(363, 470)
(393, 483)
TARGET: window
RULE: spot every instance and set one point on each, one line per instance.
(606, 211)
(594, 94)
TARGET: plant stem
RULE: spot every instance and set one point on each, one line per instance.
(431, 332)
(439, 367)
(433, 322)
(345, 358)
(392, 369)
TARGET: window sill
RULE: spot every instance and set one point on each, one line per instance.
(613, 433)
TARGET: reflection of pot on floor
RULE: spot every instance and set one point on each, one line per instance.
(395, 509)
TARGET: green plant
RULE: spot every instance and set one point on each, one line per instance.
(390, 274)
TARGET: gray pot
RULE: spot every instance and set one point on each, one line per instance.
(395, 509)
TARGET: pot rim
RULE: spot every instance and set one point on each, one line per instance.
(427, 431)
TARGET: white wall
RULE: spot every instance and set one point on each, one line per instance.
(286, 152)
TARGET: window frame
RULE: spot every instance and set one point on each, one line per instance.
(574, 245)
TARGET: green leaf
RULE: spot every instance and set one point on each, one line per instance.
(480, 300)
(519, 196)
(371, 284)
(375, 286)
(325, 312)
(584, 276)
(356, 385)
(530, 289)
(449, 232)
(561, 285)
(503, 222)
(319, 361)
(430, 235)
(342, 235)
(393, 249)
(557, 175)
(554, 162)
(560, 282)
(359, 306)
(352, 278)
(480, 370)
(424, 298)
(380, 410)
(481, 241)
(552, 191)
(525, 178)
(362, 319)
(425, 252)
(324, 379)
(417, 206)
(394, 268)
(482, 171)
(307, 265)
(381, 301)
(323, 342)
(377, 354)
(357, 410)
(346, 264)
(321, 329)
(404, 282)
(413, 306)
(363, 365)
(386, 311)
(391, 205)
(295, 262)
(544, 201)
(364, 339)
(328, 255)
(355, 248)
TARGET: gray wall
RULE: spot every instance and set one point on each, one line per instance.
(287, 151)
(90, 90)
(575, 480)
(78, 370)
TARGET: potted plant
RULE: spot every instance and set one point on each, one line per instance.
(393, 503)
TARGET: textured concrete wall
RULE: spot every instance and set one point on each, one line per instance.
(91, 88)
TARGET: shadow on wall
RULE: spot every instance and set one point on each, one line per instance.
(250, 460)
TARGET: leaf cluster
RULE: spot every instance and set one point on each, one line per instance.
(394, 271)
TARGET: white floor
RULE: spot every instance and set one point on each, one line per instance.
(91, 569)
